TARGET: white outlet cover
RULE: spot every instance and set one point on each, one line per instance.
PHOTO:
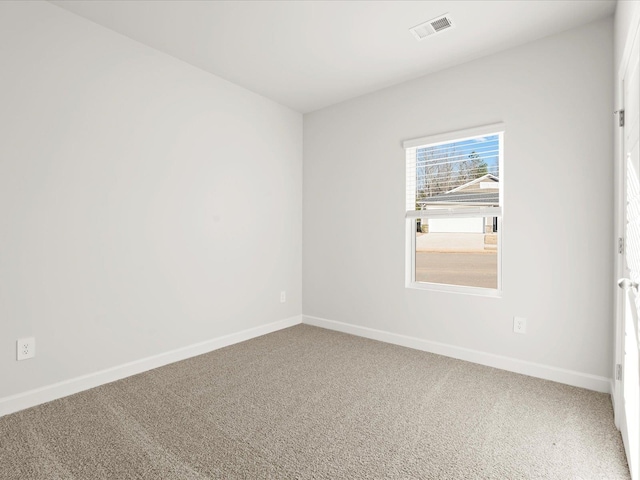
(519, 325)
(25, 348)
(283, 296)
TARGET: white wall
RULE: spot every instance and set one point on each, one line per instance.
(144, 205)
(556, 97)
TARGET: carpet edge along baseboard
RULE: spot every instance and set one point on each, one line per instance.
(546, 372)
(38, 396)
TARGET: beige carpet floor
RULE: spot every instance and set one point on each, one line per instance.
(307, 403)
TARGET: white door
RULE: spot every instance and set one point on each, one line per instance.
(629, 421)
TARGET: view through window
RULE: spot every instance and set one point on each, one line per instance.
(454, 209)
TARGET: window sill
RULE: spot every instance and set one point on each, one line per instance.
(438, 287)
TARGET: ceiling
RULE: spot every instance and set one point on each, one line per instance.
(311, 54)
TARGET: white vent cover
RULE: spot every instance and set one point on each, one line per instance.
(435, 25)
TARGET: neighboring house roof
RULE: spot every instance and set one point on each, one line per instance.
(469, 193)
(484, 178)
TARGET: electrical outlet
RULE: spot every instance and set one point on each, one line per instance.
(25, 348)
(283, 296)
(519, 325)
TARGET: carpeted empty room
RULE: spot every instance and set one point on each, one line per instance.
(319, 239)
(306, 402)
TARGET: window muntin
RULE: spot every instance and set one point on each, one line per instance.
(454, 211)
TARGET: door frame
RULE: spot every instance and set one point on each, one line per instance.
(619, 226)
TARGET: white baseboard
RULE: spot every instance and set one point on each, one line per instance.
(569, 377)
(41, 395)
(48, 393)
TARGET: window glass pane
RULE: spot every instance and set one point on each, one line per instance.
(458, 173)
(457, 251)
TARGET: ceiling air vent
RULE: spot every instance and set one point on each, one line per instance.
(435, 25)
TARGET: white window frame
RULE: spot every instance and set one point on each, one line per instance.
(411, 216)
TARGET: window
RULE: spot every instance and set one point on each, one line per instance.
(454, 211)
